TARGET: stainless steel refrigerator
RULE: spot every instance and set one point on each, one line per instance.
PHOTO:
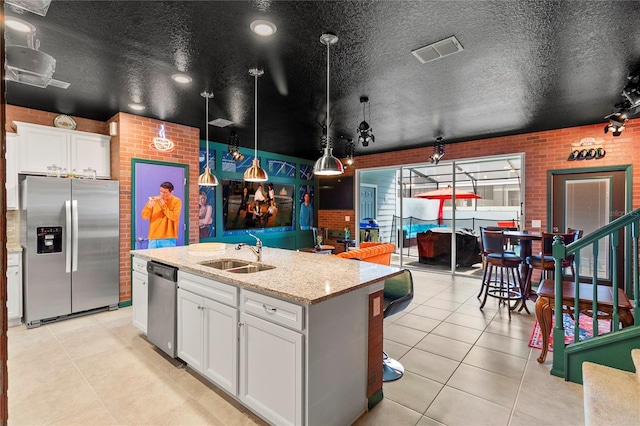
(70, 236)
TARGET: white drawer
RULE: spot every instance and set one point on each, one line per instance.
(274, 310)
(13, 259)
(139, 265)
(209, 288)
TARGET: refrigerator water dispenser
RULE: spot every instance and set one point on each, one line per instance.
(49, 239)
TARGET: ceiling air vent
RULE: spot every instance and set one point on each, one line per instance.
(220, 122)
(438, 50)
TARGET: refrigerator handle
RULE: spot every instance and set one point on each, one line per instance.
(74, 210)
(67, 206)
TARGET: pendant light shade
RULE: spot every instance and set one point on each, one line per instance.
(328, 165)
(207, 178)
(255, 173)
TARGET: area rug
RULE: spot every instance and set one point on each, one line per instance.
(586, 330)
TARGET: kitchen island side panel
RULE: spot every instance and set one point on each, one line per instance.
(336, 359)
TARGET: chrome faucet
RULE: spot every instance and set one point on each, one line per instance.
(257, 250)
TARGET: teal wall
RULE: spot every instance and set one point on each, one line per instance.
(290, 239)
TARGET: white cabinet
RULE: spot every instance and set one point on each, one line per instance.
(139, 293)
(11, 183)
(190, 329)
(271, 357)
(284, 361)
(208, 329)
(43, 146)
(14, 289)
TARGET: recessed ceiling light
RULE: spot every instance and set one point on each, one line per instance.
(263, 28)
(18, 25)
(181, 78)
(137, 107)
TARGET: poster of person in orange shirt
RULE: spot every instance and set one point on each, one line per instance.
(163, 212)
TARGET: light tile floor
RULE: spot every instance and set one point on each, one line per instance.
(463, 367)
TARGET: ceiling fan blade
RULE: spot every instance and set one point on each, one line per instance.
(58, 83)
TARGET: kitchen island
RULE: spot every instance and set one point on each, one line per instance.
(300, 343)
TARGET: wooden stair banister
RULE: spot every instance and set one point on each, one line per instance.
(630, 223)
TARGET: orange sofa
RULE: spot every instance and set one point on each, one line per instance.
(371, 252)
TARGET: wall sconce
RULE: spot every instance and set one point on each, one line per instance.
(233, 147)
(438, 151)
(617, 121)
(365, 132)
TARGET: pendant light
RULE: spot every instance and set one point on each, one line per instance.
(255, 173)
(328, 165)
(207, 178)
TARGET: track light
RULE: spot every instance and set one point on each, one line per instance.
(632, 91)
(365, 132)
(617, 122)
(438, 151)
(350, 151)
(233, 147)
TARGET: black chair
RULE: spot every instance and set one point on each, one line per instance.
(544, 261)
(398, 294)
(571, 258)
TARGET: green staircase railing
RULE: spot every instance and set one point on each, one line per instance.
(614, 348)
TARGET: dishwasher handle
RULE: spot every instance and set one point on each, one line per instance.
(161, 270)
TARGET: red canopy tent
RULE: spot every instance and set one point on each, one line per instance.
(446, 194)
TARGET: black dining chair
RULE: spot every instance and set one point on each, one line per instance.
(544, 261)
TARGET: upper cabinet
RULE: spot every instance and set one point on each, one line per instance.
(42, 146)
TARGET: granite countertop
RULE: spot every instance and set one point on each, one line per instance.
(306, 278)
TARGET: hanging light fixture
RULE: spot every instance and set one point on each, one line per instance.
(233, 146)
(438, 151)
(365, 132)
(328, 165)
(207, 178)
(255, 173)
(350, 151)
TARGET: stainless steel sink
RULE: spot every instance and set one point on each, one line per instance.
(250, 269)
(237, 266)
(225, 264)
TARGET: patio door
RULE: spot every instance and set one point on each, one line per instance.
(589, 200)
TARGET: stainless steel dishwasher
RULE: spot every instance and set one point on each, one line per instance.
(161, 314)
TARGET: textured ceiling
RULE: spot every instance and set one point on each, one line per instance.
(526, 66)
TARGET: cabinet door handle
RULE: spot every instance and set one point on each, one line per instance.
(268, 309)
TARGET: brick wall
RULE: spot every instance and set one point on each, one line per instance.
(543, 151)
(28, 115)
(374, 363)
(134, 140)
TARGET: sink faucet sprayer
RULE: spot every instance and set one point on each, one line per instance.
(257, 250)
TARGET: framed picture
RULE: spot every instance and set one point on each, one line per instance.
(250, 205)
